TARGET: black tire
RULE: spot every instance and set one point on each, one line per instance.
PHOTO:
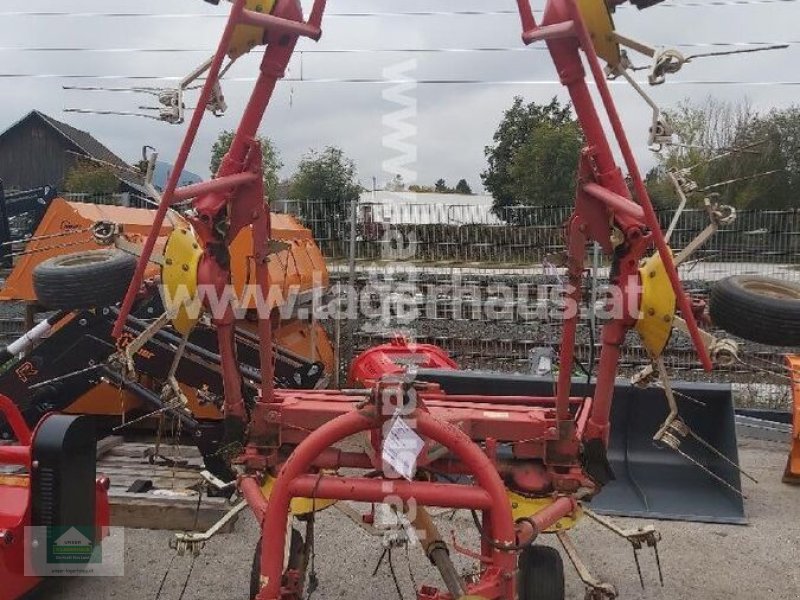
(541, 574)
(758, 309)
(296, 549)
(83, 279)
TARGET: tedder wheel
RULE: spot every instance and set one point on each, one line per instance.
(541, 574)
(83, 279)
(759, 309)
(296, 549)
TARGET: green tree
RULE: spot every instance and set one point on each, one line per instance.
(728, 148)
(440, 187)
(90, 178)
(270, 160)
(462, 187)
(327, 183)
(396, 184)
(534, 157)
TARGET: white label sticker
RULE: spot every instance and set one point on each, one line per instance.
(402, 448)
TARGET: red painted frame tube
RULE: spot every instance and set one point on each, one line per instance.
(499, 519)
(444, 495)
(577, 253)
(549, 32)
(546, 518)
(614, 201)
(221, 184)
(281, 26)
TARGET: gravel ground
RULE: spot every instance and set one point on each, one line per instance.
(711, 562)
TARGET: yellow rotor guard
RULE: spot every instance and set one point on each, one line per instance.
(598, 21)
(523, 507)
(657, 311)
(247, 37)
(298, 506)
(179, 277)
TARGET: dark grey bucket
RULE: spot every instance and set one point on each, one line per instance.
(650, 482)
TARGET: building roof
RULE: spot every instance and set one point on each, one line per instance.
(87, 144)
(429, 208)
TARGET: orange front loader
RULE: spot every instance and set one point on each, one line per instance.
(296, 265)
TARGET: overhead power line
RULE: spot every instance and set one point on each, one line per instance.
(497, 49)
(387, 14)
(369, 80)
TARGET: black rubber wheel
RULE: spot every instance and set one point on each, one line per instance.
(83, 279)
(541, 574)
(758, 309)
(295, 561)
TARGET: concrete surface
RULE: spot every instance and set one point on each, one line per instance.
(709, 562)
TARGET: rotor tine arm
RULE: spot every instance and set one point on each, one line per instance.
(651, 219)
(180, 165)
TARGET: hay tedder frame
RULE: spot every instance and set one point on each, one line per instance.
(289, 441)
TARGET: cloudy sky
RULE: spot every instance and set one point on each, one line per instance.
(454, 121)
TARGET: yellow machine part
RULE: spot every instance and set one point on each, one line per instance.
(792, 474)
(247, 37)
(523, 507)
(657, 308)
(600, 24)
(298, 506)
(179, 277)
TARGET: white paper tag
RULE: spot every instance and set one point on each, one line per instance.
(402, 448)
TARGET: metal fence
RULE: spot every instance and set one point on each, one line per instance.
(431, 245)
(426, 236)
(131, 200)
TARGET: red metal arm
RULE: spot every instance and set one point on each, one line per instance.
(684, 303)
(168, 196)
(565, 31)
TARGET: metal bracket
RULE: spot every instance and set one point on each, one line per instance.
(108, 233)
(661, 132)
(665, 62)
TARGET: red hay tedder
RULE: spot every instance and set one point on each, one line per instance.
(559, 443)
(525, 463)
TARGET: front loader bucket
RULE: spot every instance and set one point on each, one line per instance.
(650, 481)
(659, 483)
